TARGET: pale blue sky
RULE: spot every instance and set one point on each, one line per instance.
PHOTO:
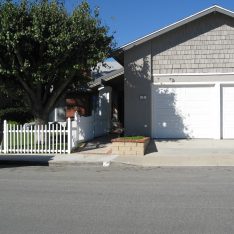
(131, 19)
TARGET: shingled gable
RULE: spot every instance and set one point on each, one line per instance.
(118, 54)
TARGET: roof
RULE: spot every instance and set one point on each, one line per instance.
(102, 70)
(106, 78)
(118, 53)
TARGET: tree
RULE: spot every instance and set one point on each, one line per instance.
(46, 50)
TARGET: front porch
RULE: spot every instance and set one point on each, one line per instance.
(114, 84)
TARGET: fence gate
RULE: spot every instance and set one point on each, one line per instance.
(52, 138)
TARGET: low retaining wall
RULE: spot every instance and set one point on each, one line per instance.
(121, 146)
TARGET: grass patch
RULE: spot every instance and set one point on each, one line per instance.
(133, 138)
(26, 140)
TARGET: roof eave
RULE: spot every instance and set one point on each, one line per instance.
(118, 55)
(106, 78)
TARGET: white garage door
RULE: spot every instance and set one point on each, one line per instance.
(228, 111)
(185, 111)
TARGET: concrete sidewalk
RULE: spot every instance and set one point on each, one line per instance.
(58, 159)
(177, 153)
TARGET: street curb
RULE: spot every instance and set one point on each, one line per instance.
(78, 164)
(48, 163)
(55, 160)
(97, 164)
(161, 165)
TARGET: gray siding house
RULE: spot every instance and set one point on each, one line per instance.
(179, 81)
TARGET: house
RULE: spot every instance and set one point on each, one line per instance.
(178, 82)
(85, 100)
(90, 108)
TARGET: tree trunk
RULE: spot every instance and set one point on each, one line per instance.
(1, 131)
(41, 116)
(41, 119)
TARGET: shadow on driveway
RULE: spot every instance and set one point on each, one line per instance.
(152, 148)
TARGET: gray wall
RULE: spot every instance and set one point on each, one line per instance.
(137, 113)
(205, 45)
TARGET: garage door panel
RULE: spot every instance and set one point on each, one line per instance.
(183, 107)
(180, 93)
(195, 117)
(195, 109)
(228, 112)
(227, 118)
(169, 123)
(183, 112)
(172, 130)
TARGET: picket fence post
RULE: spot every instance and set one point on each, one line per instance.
(5, 137)
(69, 129)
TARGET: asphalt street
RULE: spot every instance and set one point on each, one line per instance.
(56, 200)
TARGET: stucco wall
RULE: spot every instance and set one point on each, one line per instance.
(203, 46)
(137, 83)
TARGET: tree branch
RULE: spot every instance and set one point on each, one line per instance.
(59, 91)
(19, 57)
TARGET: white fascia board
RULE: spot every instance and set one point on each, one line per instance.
(185, 83)
(194, 74)
(205, 83)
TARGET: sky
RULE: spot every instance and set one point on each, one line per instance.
(132, 19)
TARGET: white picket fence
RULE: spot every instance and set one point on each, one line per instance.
(89, 127)
(1, 147)
(42, 139)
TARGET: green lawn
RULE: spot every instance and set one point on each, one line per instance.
(27, 140)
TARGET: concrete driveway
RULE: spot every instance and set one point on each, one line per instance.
(192, 147)
(192, 152)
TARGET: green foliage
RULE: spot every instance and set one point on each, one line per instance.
(133, 138)
(13, 104)
(12, 122)
(46, 50)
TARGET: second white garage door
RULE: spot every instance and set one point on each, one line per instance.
(185, 111)
(227, 112)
